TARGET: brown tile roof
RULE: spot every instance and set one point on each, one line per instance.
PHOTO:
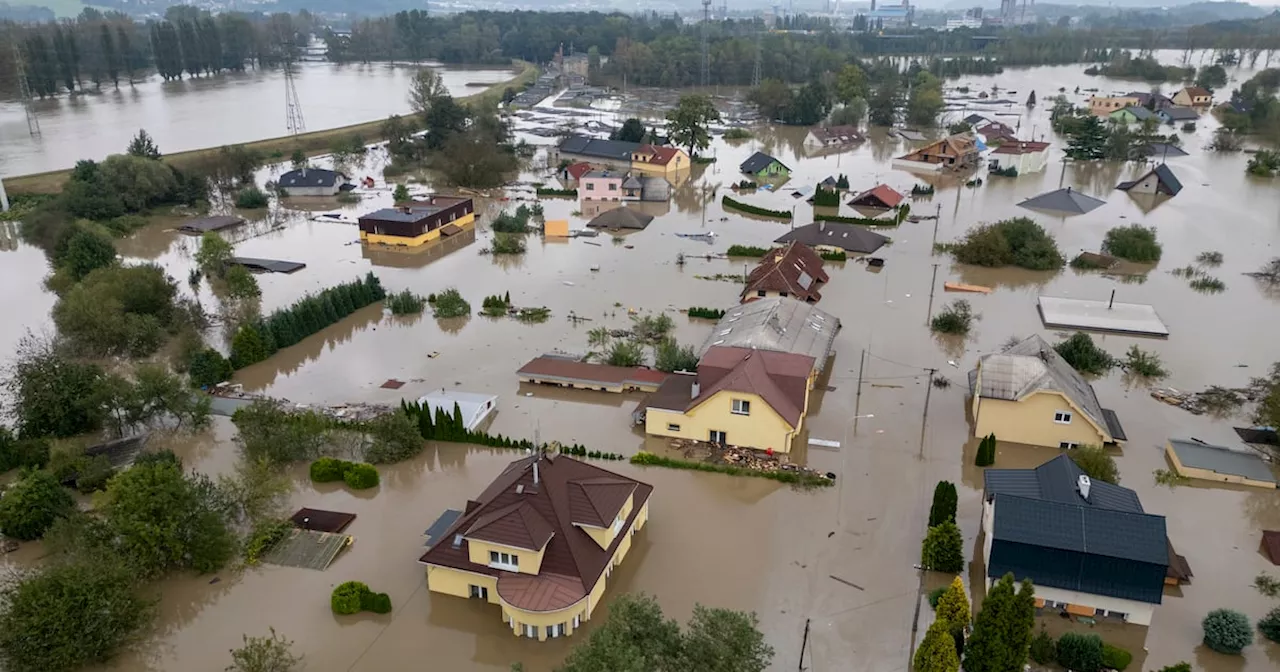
(570, 553)
(780, 378)
(516, 524)
(795, 269)
(1271, 545)
(560, 368)
(1021, 147)
(596, 501)
(577, 170)
(322, 521)
(841, 134)
(881, 193)
(660, 155)
(1194, 91)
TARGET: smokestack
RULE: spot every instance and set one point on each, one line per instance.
(535, 467)
(1084, 484)
(694, 390)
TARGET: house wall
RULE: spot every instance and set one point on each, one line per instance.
(1182, 98)
(1135, 612)
(1208, 475)
(464, 221)
(457, 582)
(478, 553)
(600, 188)
(762, 429)
(1030, 421)
(612, 164)
(1024, 163)
(1146, 185)
(752, 295)
(603, 536)
(774, 169)
(1102, 107)
(919, 166)
(313, 191)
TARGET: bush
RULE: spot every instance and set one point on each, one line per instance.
(737, 134)
(1178, 667)
(30, 506)
(1227, 631)
(450, 303)
(1011, 242)
(1084, 356)
(378, 603)
(834, 256)
(406, 303)
(328, 470)
(1115, 658)
(935, 595)
(1143, 363)
(263, 537)
(256, 341)
(746, 251)
(793, 477)
(209, 367)
(1270, 625)
(625, 353)
(251, 198)
(861, 221)
(264, 654)
(943, 549)
(517, 223)
(1043, 648)
(706, 313)
(360, 476)
(1081, 653)
(559, 193)
(33, 453)
(1133, 242)
(956, 318)
(731, 204)
(669, 357)
(507, 243)
(346, 597)
(1097, 463)
(394, 437)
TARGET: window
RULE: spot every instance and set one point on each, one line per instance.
(741, 407)
(719, 437)
(556, 630)
(480, 592)
(591, 186)
(531, 631)
(782, 294)
(759, 292)
(1068, 445)
(613, 186)
(673, 427)
(1062, 417)
(617, 525)
(577, 620)
(507, 561)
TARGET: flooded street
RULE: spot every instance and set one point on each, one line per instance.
(736, 542)
(211, 111)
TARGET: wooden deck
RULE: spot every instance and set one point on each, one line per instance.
(307, 549)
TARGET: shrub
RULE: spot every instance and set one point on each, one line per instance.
(1115, 658)
(328, 470)
(1208, 285)
(251, 198)
(264, 654)
(1210, 258)
(1082, 653)
(1133, 242)
(922, 190)
(956, 318)
(360, 476)
(1183, 666)
(794, 477)
(826, 198)
(935, 595)
(1084, 356)
(449, 303)
(507, 243)
(944, 503)
(33, 453)
(1270, 625)
(943, 548)
(558, 193)
(746, 251)
(378, 603)
(834, 256)
(1097, 463)
(625, 353)
(861, 221)
(1143, 363)
(1043, 649)
(706, 313)
(732, 204)
(209, 367)
(1010, 242)
(406, 303)
(737, 134)
(517, 223)
(346, 597)
(986, 452)
(30, 506)
(1227, 631)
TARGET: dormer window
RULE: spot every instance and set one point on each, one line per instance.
(508, 561)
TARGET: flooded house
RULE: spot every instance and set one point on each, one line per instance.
(1027, 393)
(881, 196)
(779, 325)
(1024, 156)
(1202, 461)
(763, 166)
(1134, 114)
(311, 182)
(953, 152)
(793, 271)
(565, 371)
(1104, 106)
(1087, 546)
(1177, 113)
(418, 222)
(826, 236)
(474, 407)
(1193, 96)
(601, 185)
(1158, 180)
(737, 397)
(623, 155)
(826, 137)
(541, 542)
(573, 172)
(1151, 100)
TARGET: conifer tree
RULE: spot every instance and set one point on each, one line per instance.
(953, 606)
(937, 653)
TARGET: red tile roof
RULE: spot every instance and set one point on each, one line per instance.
(577, 170)
(1195, 91)
(1271, 545)
(1021, 147)
(661, 154)
(882, 193)
(559, 368)
(572, 562)
(795, 269)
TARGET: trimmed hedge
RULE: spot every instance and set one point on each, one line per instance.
(833, 256)
(861, 221)
(327, 470)
(360, 476)
(442, 426)
(357, 475)
(1115, 658)
(706, 313)
(747, 251)
(353, 597)
(258, 340)
(793, 477)
(733, 204)
(559, 193)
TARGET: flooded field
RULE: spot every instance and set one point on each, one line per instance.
(714, 539)
(211, 111)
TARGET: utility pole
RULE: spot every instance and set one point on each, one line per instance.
(804, 643)
(706, 52)
(755, 74)
(857, 403)
(932, 284)
(937, 215)
(924, 419)
(24, 90)
(292, 106)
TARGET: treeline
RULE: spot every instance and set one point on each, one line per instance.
(108, 48)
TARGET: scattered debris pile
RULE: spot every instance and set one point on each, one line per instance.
(745, 458)
(1213, 400)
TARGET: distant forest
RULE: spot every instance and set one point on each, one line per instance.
(98, 49)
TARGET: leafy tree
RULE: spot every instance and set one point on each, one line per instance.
(721, 640)
(849, 114)
(1227, 631)
(143, 146)
(1088, 139)
(953, 605)
(140, 183)
(1082, 653)
(625, 353)
(1097, 463)
(394, 438)
(214, 255)
(240, 284)
(1043, 649)
(85, 251)
(400, 194)
(14, 453)
(1177, 667)
(882, 106)
(925, 102)
(1001, 635)
(632, 130)
(53, 395)
(851, 84)
(1133, 242)
(943, 548)
(272, 653)
(426, 91)
(1212, 77)
(32, 504)
(268, 433)
(1270, 625)
(1019, 241)
(687, 123)
(298, 159)
(68, 616)
(209, 367)
(1084, 355)
(937, 652)
(118, 310)
(669, 356)
(635, 637)
(773, 97)
(809, 106)
(248, 347)
(251, 198)
(1115, 658)
(945, 500)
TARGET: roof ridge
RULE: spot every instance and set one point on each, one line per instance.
(1055, 502)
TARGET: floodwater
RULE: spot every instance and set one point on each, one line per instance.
(715, 539)
(210, 111)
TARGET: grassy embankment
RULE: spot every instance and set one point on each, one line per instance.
(313, 144)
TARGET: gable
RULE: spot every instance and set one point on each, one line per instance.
(722, 402)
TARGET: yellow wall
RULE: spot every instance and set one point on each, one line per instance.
(1030, 421)
(530, 561)
(382, 239)
(762, 429)
(618, 388)
(458, 583)
(603, 536)
(1207, 475)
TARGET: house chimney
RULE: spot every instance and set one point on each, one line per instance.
(535, 468)
(1084, 484)
(822, 225)
(695, 390)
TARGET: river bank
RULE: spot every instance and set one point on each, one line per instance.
(312, 143)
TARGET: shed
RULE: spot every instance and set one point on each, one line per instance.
(320, 520)
(268, 265)
(1158, 180)
(556, 228)
(1196, 459)
(475, 407)
(200, 225)
(311, 182)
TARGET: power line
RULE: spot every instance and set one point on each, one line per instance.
(706, 52)
(24, 89)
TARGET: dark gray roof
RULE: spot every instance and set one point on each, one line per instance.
(1163, 150)
(1179, 113)
(1114, 427)
(1163, 173)
(1031, 366)
(1222, 460)
(620, 218)
(269, 265)
(399, 215)
(210, 223)
(758, 162)
(1057, 481)
(443, 523)
(617, 150)
(1141, 113)
(848, 237)
(1065, 200)
(310, 177)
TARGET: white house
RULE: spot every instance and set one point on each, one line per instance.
(1087, 546)
(1024, 155)
(311, 182)
(475, 407)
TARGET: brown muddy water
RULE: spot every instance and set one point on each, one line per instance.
(210, 111)
(715, 539)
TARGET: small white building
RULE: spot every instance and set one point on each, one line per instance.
(1087, 546)
(1024, 155)
(311, 182)
(475, 407)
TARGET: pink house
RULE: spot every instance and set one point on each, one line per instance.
(601, 185)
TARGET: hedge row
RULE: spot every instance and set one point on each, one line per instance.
(357, 475)
(259, 340)
(834, 256)
(706, 313)
(793, 477)
(565, 193)
(747, 251)
(442, 426)
(733, 204)
(862, 221)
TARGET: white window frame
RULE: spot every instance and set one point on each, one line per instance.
(673, 427)
(508, 561)
(555, 630)
(724, 436)
(741, 407)
(1062, 417)
(617, 525)
(577, 621)
(530, 631)
(1068, 445)
(479, 592)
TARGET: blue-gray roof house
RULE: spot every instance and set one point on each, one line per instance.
(311, 182)
(1086, 545)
